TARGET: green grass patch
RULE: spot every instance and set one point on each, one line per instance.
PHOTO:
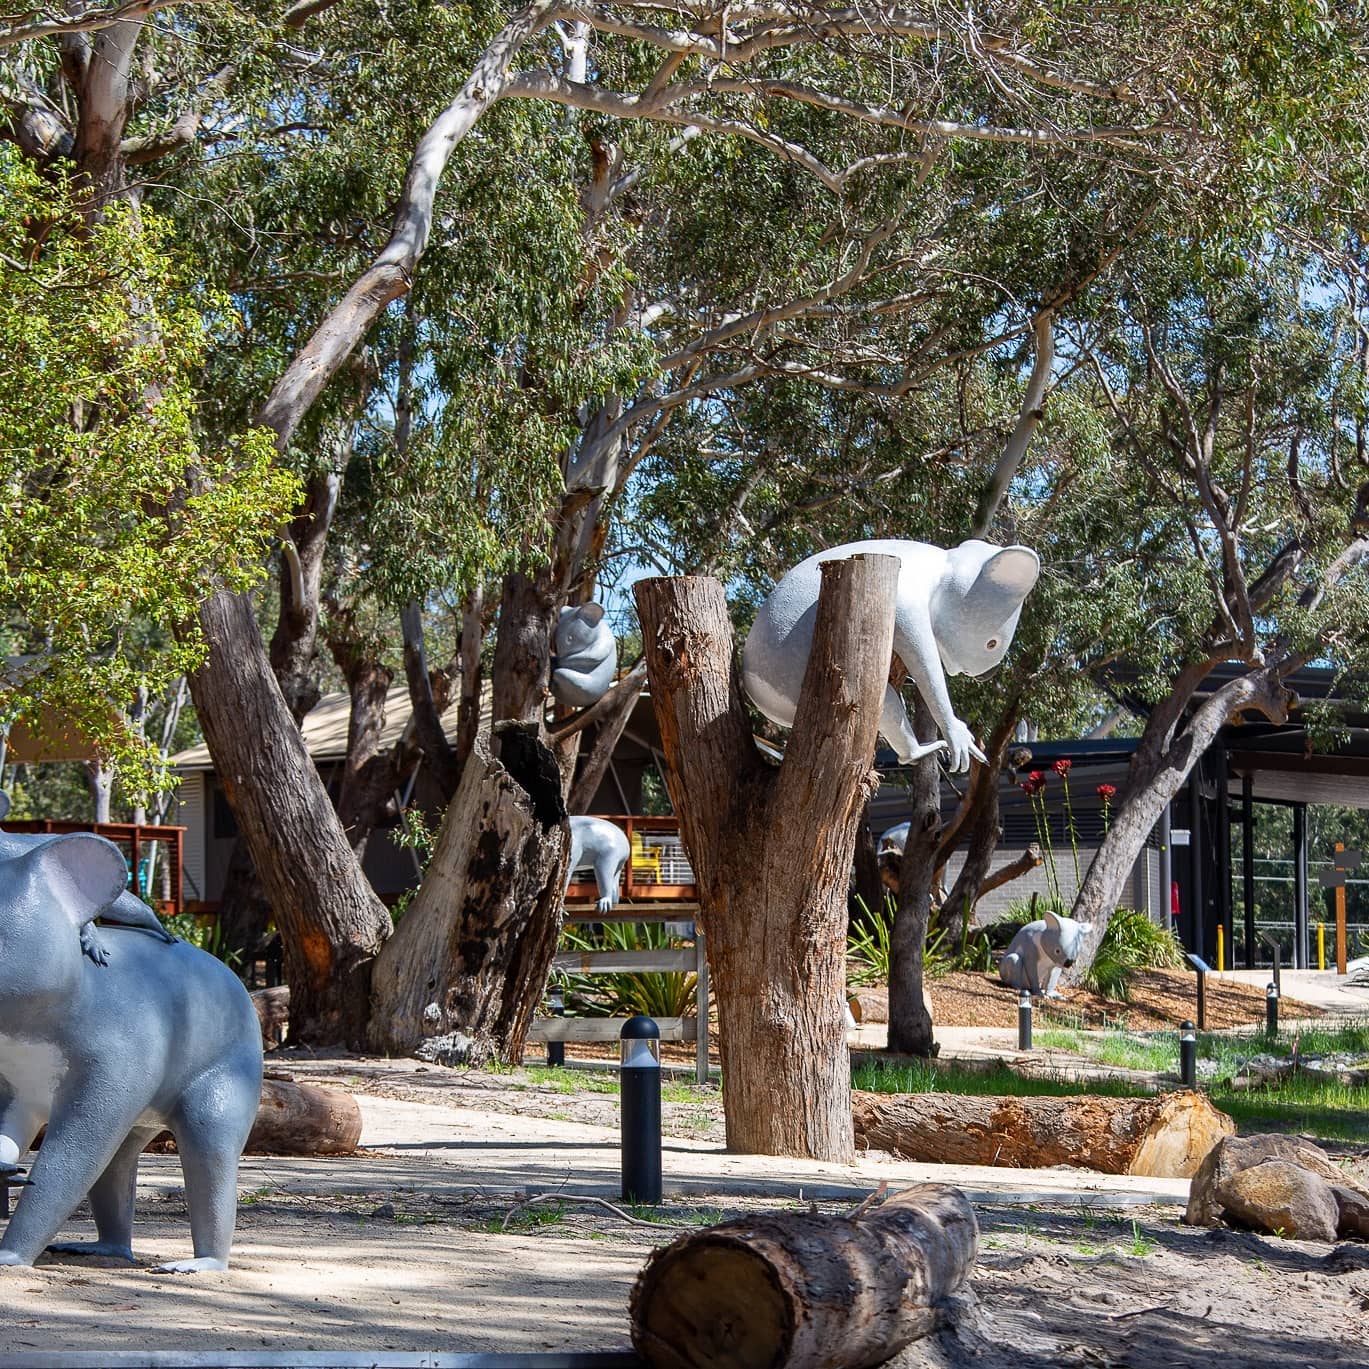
(928, 1078)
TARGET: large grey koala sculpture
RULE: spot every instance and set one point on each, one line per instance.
(106, 1055)
(955, 614)
(604, 845)
(1040, 951)
(585, 657)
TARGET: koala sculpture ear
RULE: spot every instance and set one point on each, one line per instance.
(1052, 922)
(1004, 581)
(592, 613)
(84, 874)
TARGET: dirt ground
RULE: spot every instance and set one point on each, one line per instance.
(424, 1242)
(1159, 999)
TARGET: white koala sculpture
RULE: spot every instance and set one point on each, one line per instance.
(604, 845)
(1040, 951)
(586, 654)
(955, 614)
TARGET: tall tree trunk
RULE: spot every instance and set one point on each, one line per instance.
(472, 676)
(432, 741)
(869, 886)
(332, 924)
(369, 771)
(469, 959)
(100, 779)
(294, 644)
(610, 722)
(1157, 774)
(772, 849)
(528, 613)
(910, 1024)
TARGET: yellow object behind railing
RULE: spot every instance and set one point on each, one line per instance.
(1221, 948)
(1321, 945)
(646, 858)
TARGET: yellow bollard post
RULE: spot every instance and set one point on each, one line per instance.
(1321, 945)
(1221, 938)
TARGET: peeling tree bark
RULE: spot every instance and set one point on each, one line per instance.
(468, 960)
(910, 1024)
(772, 849)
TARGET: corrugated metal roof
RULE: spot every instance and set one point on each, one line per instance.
(325, 729)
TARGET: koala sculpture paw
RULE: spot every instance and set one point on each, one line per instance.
(92, 946)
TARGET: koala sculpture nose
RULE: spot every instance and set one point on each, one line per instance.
(1069, 964)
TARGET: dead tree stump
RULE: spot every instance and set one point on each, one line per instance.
(798, 1290)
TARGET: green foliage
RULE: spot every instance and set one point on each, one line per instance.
(118, 520)
(207, 934)
(868, 942)
(1131, 942)
(651, 993)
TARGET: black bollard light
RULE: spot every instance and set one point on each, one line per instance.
(1271, 1010)
(556, 1004)
(1188, 1055)
(640, 1096)
(11, 1176)
(1024, 1021)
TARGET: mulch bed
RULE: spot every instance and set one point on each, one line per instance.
(1160, 999)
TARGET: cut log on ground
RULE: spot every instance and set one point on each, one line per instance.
(793, 1290)
(1164, 1136)
(300, 1119)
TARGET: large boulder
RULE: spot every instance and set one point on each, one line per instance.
(1281, 1198)
(1236, 1153)
(1354, 1212)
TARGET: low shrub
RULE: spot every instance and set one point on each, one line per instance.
(1131, 942)
(652, 993)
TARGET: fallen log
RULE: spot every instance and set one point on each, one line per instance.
(301, 1119)
(794, 1290)
(1164, 1136)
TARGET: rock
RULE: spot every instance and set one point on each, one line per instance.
(1282, 1198)
(383, 1211)
(1241, 1152)
(1354, 1212)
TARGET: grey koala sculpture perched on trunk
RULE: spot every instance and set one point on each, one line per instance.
(107, 1052)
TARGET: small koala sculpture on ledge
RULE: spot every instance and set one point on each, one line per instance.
(604, 845)
(585, 657)
(955, 614)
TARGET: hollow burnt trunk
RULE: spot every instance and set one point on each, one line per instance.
(469, 958)
(772, 849)
(802, 1290)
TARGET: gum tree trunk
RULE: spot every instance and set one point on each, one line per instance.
(332, 924)
(772, 848)
(910, 1024)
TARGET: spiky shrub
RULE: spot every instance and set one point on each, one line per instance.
(665, 993)
(1132, 942)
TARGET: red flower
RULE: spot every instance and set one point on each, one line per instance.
(1062, 766)
(1028, 788)
(1107, 792)
(1038, 778)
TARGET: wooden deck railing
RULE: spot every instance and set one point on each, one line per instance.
(658, 870)
(136, 840)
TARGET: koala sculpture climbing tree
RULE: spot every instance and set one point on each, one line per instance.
(955, 614)
(586, 654)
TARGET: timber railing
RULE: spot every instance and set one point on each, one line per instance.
(154, 855)
(657, 886)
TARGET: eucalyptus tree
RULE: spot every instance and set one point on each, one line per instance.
(1234, 383)
(871, 121)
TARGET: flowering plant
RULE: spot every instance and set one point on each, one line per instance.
(1107, 792)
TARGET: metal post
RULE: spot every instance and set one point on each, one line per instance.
(1188, 1055)
(1248, 865)
(640, 1097)
(556, 1006)
(1300, 886)
(1277, 955)
(1197, 927)
(1024, 1021)
(1166, 869)
(700, 1005)
(1201, 968)
(1271, 1010)
(1225, 918)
